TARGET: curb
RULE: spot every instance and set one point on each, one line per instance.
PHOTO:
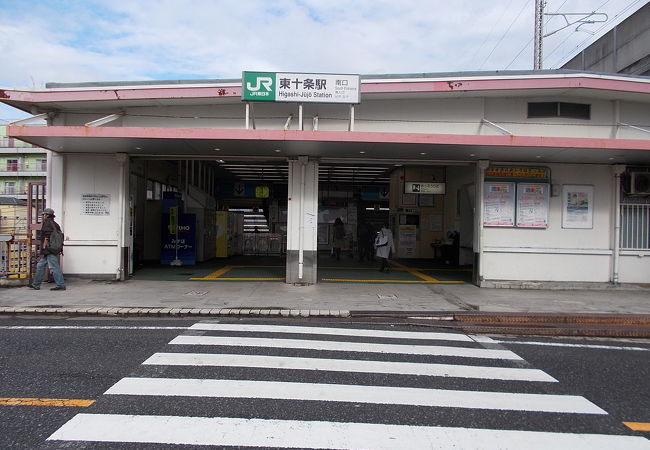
(179, 312)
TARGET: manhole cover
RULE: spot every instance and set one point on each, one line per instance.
(196, 293)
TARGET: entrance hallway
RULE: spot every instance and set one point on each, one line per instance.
(272, 269)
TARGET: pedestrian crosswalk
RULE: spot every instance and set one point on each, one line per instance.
(335, 387)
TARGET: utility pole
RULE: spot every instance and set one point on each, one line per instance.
(539, 34)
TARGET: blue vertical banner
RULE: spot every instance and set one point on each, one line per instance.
(185, 240)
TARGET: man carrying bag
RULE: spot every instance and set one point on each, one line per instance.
(51, 247)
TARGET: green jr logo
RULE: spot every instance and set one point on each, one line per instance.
(258, 86)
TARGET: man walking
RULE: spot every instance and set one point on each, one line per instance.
(49, 256)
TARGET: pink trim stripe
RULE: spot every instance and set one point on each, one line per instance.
(326, 136)
(368, 87)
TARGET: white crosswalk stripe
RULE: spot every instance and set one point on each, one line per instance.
(419, 335)
(355, 394)
(224, 431)
(340, 346)
(239, 371)
(348, 365)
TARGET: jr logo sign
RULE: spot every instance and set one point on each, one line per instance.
(258, 86)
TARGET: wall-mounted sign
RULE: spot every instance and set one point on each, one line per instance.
(510, 172)
(300, 87)
(577, 206)
(262, 192)
(418, 187)
(96, 204)
(532, 205)
(499, 204)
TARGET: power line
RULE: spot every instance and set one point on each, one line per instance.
(571, 34)
(531, 39)
(504, 34)
(489, 35)
(575, 50)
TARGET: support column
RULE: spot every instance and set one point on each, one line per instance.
(478, 225)
(302, 221)
(124, 218)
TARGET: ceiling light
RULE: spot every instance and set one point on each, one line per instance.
(362, 152)
(217, 149)
(138, 148)
(472, 154)
(277, 150)
(422, 153)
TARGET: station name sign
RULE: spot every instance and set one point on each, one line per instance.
(417, 187)
(300, 87)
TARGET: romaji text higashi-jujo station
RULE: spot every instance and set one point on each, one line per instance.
(524, 177)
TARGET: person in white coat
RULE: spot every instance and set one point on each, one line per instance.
(384, 245)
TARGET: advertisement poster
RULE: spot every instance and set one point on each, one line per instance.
(407, 239)
(532, 205)
(577, 206)
(182, 246)
(499, 205)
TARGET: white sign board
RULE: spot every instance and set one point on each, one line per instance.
(577, 206)
(301, 87)
(532, 205)
(417, 187)
(499, 204)
(96, 204)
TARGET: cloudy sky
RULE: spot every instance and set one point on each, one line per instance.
(97, 40)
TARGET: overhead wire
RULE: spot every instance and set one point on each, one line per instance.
(530, 41)
(489, 35)
(505, 33)
(574, 50)
(571, 34)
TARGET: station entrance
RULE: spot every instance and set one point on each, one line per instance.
(226, 220)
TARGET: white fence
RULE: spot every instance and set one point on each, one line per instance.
(635, 227)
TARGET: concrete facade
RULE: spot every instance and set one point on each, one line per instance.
(623, 49)
(449, 127)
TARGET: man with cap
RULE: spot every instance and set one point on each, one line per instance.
(47, 257)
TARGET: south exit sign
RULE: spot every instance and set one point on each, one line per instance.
(416, 187)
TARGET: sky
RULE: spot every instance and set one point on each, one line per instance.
(141, 40)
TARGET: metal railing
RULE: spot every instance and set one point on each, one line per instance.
(23, 167)
(635, 227)
(7, 142)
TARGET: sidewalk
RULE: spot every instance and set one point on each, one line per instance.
(339, 299)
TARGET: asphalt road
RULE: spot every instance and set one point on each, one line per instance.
(280, 382)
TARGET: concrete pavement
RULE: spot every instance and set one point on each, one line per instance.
(339, 299)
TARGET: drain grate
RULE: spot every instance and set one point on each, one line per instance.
(387, 297)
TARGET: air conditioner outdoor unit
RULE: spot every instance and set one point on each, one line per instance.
(640, 183)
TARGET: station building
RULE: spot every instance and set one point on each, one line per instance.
(526, 178)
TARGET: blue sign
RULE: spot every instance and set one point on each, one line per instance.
(185, 241)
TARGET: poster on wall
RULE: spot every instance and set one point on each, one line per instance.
(499, 204)
(96, 204)
(532, 205)
(577, 206)
(407, 239)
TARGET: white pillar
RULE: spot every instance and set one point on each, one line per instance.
(302, 221)
(478, 226)
(617, 171)
(123, 218)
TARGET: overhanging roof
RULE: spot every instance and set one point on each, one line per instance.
(261, 144)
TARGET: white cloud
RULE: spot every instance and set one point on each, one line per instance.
(107, 40)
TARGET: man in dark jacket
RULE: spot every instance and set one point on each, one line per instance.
(48, 257)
